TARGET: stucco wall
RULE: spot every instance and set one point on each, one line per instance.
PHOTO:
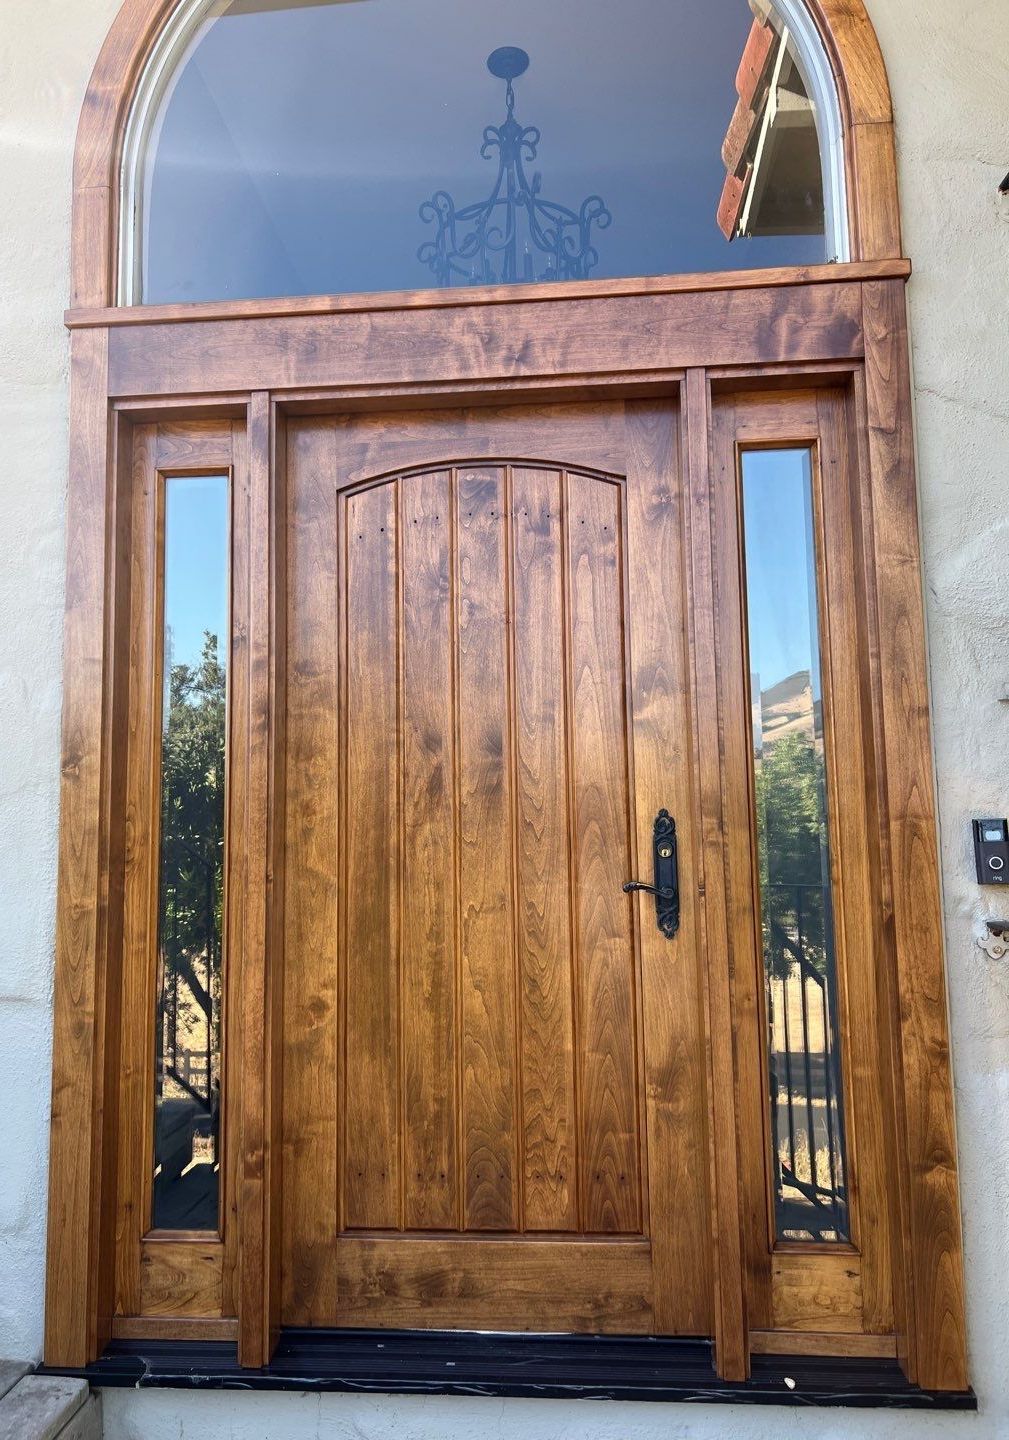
(949, 66)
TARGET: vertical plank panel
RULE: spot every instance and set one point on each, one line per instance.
(118, 633)
(939, 1348)
(370, 828)
(744, 956)
(611, 1160)
(543, 898)
(276, 880)
(848, 750)
(235, 863)
(140, 887)
(312, 877)
(731, 1345)
(486, 918)
(259, 1015)
(81, 1215)
(429, 980)
(878, 845)
(680, 1224)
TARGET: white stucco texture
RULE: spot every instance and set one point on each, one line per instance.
(949, 68)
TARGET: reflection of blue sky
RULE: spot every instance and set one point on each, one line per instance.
(780, 565)
(196, 565)
(298, 144)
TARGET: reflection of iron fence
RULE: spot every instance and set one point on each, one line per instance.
(805, 1068)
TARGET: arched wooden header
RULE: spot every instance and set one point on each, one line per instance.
(848, 36)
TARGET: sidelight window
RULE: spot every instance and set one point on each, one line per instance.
(280, 147)
(797, 924)
(191, 855)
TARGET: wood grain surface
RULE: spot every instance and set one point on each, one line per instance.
(485, 1067)
(937, 1343)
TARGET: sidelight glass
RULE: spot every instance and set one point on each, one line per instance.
(187, 1128)
(797, 927)
(296, 147)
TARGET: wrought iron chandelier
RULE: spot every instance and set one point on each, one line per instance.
(514, 235)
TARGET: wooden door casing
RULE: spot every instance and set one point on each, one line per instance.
(250, 360)
(493, 1097)
(269, 366)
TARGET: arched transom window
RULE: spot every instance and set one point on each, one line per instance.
(297, 147)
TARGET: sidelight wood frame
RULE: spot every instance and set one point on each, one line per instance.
(256, 362)
(786, 1290)
(161, 1272)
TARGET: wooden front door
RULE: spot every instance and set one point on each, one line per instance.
(494, 1087)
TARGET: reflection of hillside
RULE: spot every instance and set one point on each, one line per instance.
(786, 708)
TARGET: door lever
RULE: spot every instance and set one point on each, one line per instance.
(667, 880)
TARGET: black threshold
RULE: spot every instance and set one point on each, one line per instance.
(426, 1362)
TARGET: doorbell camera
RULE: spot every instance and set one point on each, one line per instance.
(991, 851)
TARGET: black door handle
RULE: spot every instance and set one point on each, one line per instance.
(667, 876)
(633, 885)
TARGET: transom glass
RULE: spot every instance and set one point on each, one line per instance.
(298, 147)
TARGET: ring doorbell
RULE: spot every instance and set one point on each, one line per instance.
(991, 850)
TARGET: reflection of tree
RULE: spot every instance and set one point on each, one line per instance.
(790, 817)
(192, 872)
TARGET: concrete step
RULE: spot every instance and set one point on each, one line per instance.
(11, 1371)
(48, 1407)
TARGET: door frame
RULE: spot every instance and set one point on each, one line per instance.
(843, 324)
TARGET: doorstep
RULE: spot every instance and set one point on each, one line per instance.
(547, 1366)
(46, 1407)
